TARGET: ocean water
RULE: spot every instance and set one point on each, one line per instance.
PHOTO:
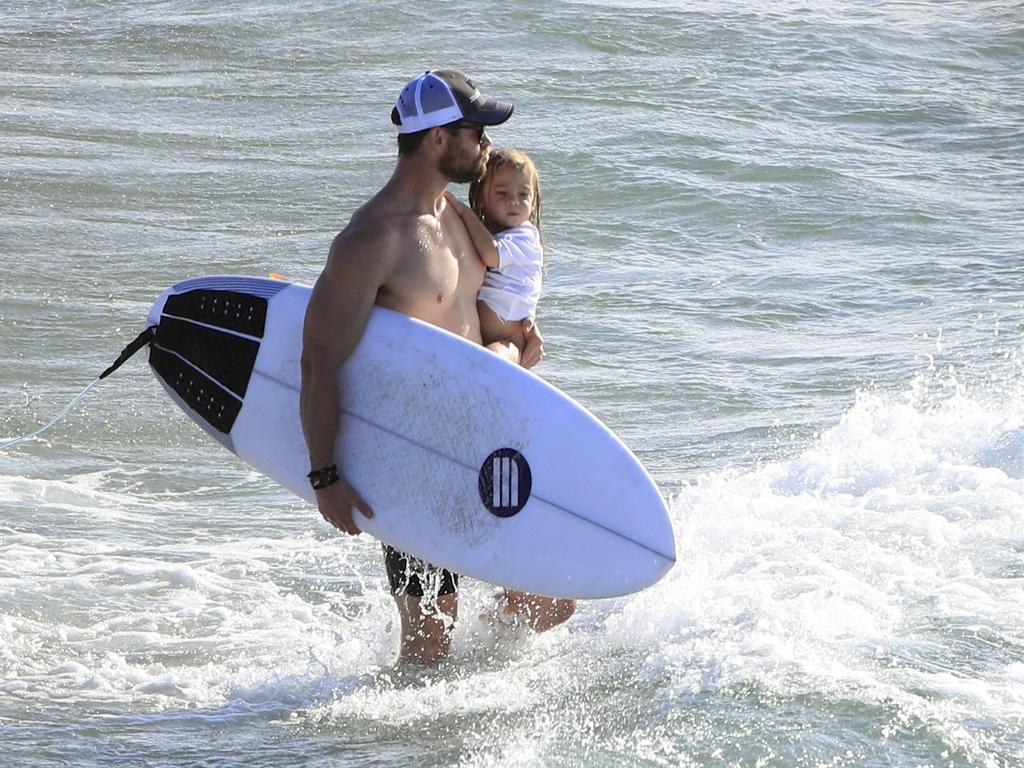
(786, 266)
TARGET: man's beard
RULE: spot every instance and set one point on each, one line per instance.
(461, 173)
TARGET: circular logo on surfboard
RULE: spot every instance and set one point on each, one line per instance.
(505, 482)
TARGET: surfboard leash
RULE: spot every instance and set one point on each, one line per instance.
(140, 341)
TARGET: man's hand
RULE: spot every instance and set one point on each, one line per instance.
(336, 503)
(533, 352)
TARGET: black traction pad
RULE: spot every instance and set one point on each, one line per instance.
(207, 367)
(231, 310)
(213, 403)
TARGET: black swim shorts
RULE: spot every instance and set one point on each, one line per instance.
(409, 575)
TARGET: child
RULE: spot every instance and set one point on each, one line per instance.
(504, 223)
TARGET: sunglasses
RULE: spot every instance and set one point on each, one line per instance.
(460, 124)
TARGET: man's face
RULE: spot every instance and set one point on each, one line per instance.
(466, 156)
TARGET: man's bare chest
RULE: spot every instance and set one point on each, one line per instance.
(437, 279)
(442, 263)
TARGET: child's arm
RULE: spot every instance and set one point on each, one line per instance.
(482, 239)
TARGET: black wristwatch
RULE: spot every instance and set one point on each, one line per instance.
(323, 478)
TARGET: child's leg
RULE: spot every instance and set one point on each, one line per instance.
(539, 613)
(504, 338)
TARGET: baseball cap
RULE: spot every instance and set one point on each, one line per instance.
(442, 96)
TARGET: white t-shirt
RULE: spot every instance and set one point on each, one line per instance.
(513, 289)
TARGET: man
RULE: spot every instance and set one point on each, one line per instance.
(407, 250)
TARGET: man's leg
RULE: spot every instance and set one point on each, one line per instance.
(428, 605)
(426, 629)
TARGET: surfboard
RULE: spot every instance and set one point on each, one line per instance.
(469, 462)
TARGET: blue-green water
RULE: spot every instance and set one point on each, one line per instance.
(786, 266)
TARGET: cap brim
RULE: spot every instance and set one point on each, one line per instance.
(491, 113)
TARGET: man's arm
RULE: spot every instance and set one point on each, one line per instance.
(339, 309)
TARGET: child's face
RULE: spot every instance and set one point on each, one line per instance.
(508, 197)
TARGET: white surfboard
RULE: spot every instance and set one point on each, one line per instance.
(468, 461)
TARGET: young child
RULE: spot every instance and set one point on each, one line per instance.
(504, 223)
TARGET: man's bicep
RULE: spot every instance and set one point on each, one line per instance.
(340, 305)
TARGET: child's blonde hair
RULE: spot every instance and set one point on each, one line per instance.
(517, 159)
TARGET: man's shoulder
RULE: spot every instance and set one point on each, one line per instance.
(377, 226)
(370, 237)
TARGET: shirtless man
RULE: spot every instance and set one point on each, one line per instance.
(407, 250)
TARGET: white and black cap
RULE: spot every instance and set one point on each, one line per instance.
(442, 96)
